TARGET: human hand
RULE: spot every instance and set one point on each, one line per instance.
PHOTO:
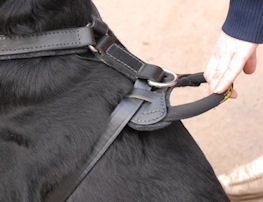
(230, 57)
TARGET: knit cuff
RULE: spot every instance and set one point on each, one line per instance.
(245, 20)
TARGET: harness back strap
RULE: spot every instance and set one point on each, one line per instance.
(123, 61)
(79, 40)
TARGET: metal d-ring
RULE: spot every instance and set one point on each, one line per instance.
(165, 84)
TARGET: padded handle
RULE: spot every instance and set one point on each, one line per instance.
(198, 107)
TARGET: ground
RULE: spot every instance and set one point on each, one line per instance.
(180, 35)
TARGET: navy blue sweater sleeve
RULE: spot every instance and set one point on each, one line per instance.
(245, 20)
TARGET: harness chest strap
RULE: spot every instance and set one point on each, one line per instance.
(119, 119)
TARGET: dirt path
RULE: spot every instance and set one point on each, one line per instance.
(180, 35)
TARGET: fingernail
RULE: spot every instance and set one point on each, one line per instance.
(218, 89)
(212, 87)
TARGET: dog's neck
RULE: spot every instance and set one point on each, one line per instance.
(22, 17)
(33, 80)
(30, 81)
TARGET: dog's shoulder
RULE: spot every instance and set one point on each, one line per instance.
(59, 130)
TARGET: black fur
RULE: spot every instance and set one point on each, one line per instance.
(53, 110)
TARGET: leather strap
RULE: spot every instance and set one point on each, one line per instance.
(64, 41)
(77, 40)
(119, 119)
(190, 79)
(111, 52)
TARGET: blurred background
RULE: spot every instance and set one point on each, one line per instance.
(180, 35)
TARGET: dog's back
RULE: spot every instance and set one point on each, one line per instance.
(54, 109)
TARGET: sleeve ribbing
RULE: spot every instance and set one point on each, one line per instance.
(245, 20)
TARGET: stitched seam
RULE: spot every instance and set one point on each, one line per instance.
(151, 112)
(130, 68)
(49, 45)
(40, 34)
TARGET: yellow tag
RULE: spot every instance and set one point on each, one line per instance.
(227, 94)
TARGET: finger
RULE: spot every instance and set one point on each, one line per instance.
(213, 69)
(234, 94)
(231, 74)
(220, 70)
(209, 74)
(209, 68)
(251, 64)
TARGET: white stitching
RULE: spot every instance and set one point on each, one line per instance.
(107, 52)
(44, 46)
(151, 112)
(39, 34)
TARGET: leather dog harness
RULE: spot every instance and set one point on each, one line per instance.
(146, 108)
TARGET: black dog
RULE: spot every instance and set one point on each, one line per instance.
(54, 109)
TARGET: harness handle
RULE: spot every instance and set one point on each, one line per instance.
(198, 107)
(157, 113)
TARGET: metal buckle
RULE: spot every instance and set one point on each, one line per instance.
(93, 49)
(100, 28)
(165, 84)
